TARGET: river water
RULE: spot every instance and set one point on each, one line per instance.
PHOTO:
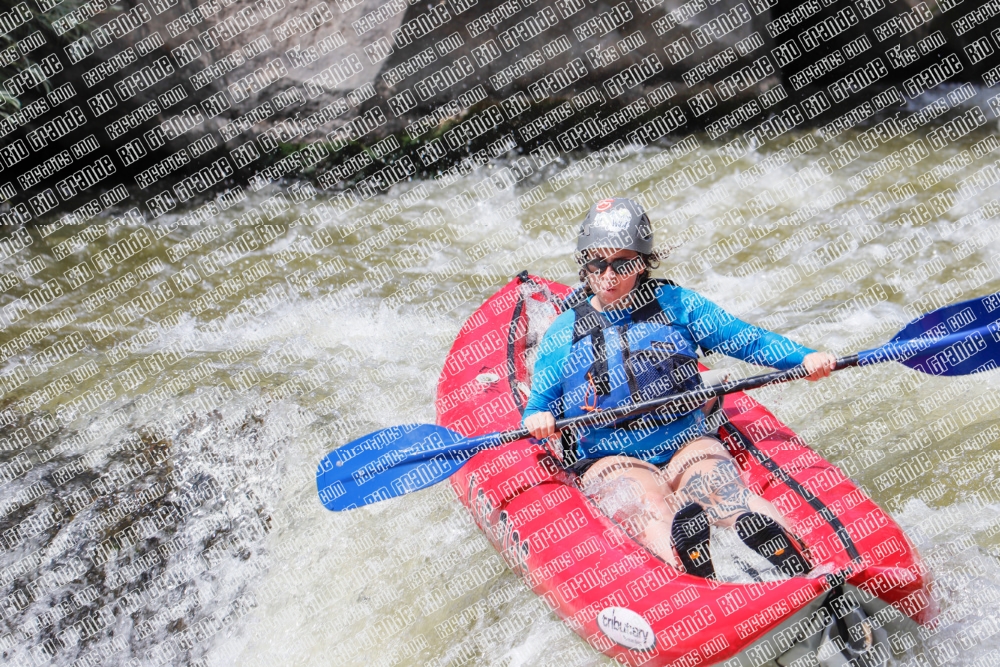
(159, 501)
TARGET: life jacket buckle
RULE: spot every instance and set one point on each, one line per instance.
(591, 386)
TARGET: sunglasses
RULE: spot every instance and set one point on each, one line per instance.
(621, 266)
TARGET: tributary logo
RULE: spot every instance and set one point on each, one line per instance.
(626, 628)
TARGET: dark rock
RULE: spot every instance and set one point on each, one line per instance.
(248, 92)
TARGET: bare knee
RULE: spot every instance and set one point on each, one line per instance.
(700, 449)
(614, 466)
(627, 491)
(699, 458)
(709, 476)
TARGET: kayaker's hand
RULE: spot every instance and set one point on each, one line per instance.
(541, 425)
(819, 365)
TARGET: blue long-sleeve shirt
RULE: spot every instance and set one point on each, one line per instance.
(698, 319)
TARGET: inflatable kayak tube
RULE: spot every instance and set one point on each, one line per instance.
(859, 604)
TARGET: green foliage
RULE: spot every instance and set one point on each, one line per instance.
(10, 104)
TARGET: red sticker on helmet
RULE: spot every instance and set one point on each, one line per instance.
(605, 204)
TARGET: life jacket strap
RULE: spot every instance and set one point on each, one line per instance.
(589, 322)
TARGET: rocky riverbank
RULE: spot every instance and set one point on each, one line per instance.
(174, 101)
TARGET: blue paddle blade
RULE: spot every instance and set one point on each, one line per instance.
(389, 463)
(959, 339)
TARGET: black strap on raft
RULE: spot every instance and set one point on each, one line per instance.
(769, 464)
(511, 340)
(512, 333)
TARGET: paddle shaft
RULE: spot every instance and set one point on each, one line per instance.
(686, 401)
(958, 339)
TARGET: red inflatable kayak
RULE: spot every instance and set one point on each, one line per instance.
(861, 601)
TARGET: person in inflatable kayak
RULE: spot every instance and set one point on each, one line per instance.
(629, 338)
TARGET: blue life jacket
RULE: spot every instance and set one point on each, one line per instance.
(611, 365)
